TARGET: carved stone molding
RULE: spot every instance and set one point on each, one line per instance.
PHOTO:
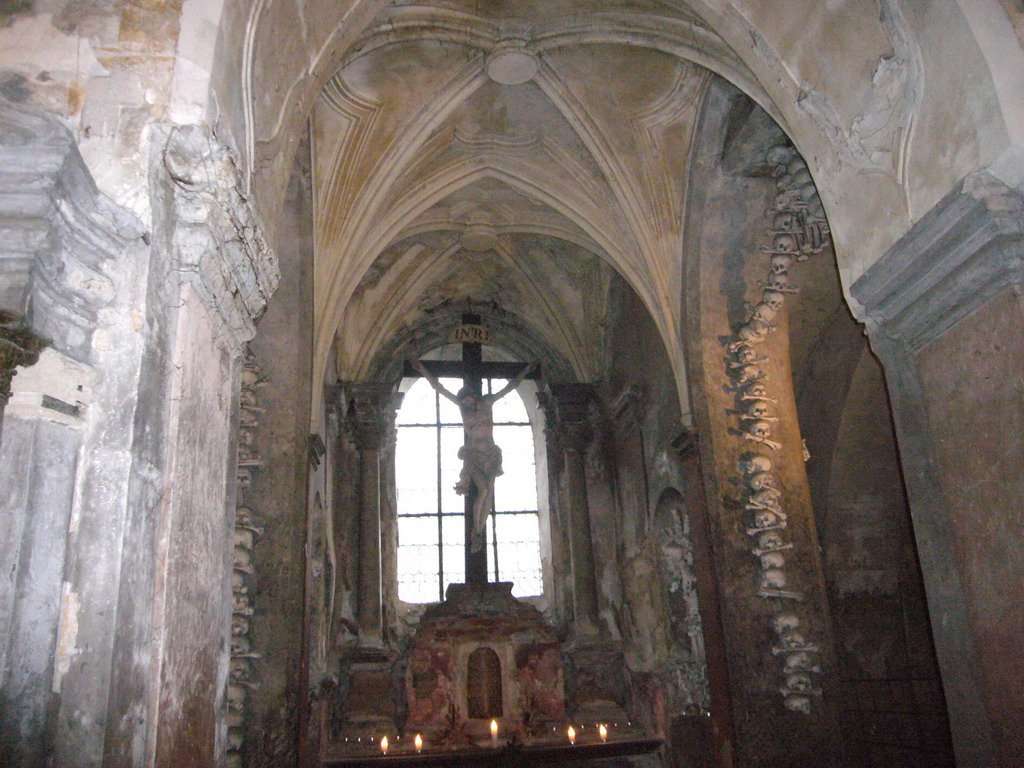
(373, 413)
(957, 257)
(218, 242)
(572, 414)
(62, 237)
(19, 345)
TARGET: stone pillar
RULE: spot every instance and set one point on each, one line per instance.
(944, 314)
(572, 403)
(374, 413)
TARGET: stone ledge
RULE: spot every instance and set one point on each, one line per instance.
(957, 257)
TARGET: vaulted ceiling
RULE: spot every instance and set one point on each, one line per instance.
(524, 154)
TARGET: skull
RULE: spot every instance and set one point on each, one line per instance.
(768, 498)
(781, 262)
(770, 540)
(251, 378)
(244, 478)
(785, 242)
(785, 221)
(236, 697)
(754, 463)
(762, 481)
(242, 558)
(753, 332)
(240, 603)
(773, 578)
(798, 662)
(750, 373)
(758, 409)
(799, 681)
(801, 177)
(798, 703)
(765, 519)
(759, 429)
(236, 720)
(764, 313)
(796, 164)
(746, 354)
(791, 640)
(779, 155)
(239, 625)
(245, 538)
(239, 670)
(780, 283)
(234, 760)
(783, 181)
(808, 191)
(786, 199)
(756, 392)
(236, 737)
(245, 517)
(239, 583)
(784, 622)
(774, 299)
(772, 560)
(240, 644)
(247, 398)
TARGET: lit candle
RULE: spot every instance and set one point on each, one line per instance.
(418, 742)
(602, 732)
(494, 733)
(384, 745)
(572, 735)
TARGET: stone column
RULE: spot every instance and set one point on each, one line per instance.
(944, 314)
(572, 403)
(374, 412)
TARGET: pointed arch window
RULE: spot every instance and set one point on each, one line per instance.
(431, 516)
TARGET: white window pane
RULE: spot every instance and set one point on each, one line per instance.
(451, 467)
(453, 538)
(416, 470)
(417, 405)
(519, 553)
(510, 407)
(516, 489)
(417, 559)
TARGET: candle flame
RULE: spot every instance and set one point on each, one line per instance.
(603, 732)
(494, 727)
(418, 742)
(384, 745)
(572, 735)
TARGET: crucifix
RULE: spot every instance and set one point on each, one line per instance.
(481, 458)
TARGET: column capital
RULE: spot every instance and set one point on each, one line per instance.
(571, 406)
(373, 413)
(19, 345)
(956, 258)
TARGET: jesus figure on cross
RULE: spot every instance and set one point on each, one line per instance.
(481, 458)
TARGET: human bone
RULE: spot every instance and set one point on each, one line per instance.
(749, 373)
(244, 537)
(800, 661)
(778, 282)
(245, 517)
(761, 481)
(764, 313)
(773, 578)
(785, 242)
(751, 332)
(240, 644)
(240, 582)
(771, 541)
(746, 354)
(795, 165)
(757, 391)
(770, 560)
(785, 622)
(791, 641)
(234, 760)
(752, 463)
(240, 603)
(757, 409)
(766, 499)
(236, 695)
(236, 737)
(799, 682)
(785, 221)
(239, 669)
(760, 432)
(242, 559)
(235, 719)
(239, 625)
(779, 155)
(774, 299)
(781, 262)
(765, 520)
(798, 703)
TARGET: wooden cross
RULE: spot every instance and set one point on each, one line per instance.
(472, 370)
